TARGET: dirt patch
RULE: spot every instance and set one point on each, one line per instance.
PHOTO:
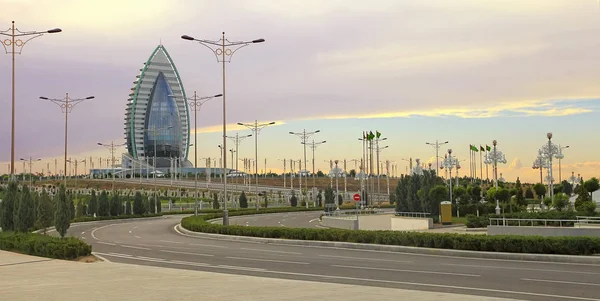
(88, 259)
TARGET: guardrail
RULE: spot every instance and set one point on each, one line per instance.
(588, 219)
(523, 222)
(413, 214)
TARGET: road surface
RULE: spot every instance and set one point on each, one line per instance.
(155, 242)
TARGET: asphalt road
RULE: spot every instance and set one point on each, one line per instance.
(155, 242)
(290, 220)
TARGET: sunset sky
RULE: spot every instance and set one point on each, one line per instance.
(466, 71)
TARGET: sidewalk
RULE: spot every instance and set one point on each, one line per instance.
(26, 277)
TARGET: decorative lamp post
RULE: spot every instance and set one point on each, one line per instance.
(337, 190)
(313, 145)
(223, 50)
(449, 163)
(560, 156)
(494, 157)
(549, 151)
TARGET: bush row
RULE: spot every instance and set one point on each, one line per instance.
(513, 244)
(104, 218)
(43, 245)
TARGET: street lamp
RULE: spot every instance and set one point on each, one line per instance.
(223, 50)
(337, 190)
(19, 44)
(255, 128)
(494, 157)
(66, 105)
(449, 163)
(549, 151)
(313, 145)
(196, 103)
(111, 147)
(560, 156)
(303, 136)
(30, 171)
(437, 146)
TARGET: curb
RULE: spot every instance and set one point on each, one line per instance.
(573, 259)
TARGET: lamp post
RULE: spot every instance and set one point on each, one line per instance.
(549, 151)
(437, 146)
(223, 50)
(494, 157)
(31, 160)
(574, 180)
(304, 135)
(66, 105)
(196, 104)
(410, 164)
(255, 128)
(313, 145)
(154, 132)
(449, 163)
(560, 156)
(16, 45)
(111, 147)
(379, 150)
(337, 190)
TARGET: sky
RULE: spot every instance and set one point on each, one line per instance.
(463, 71)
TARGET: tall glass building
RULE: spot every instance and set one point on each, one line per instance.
(157, 115)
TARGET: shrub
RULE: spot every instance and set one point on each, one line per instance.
(45, 246)
(474, 221)
(243, 200)
(62, 220)
(138, 204)
(500, 243)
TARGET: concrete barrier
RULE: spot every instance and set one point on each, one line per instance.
(348, 223)
(543, 231)
(401, 223)
(375, 222)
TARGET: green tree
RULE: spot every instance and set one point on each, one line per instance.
(320, 198)
(475, 193)
(459, 193)
(329, 198)
(215, 201)
(79, 209)
(24, 218)
(159, 206)
(561, 202)
(71, 205)
(128, 207)
(352, 173)
(93, 204)
(490, 194)
(567, 187)
(591, 185)
(519, 197)
(540, 190)
(583, 200)
(243, 200)
(103, 205)
(266, 199)
(138, 204)
(151, 205)
(115, 204)
(44, 212)
(62, 221)
(529, 193)
(437, 195)
(293, 200)
(7, 207)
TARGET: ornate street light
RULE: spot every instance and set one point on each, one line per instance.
(418, 169)
(549, 151)
(449, 163)
(494, 157)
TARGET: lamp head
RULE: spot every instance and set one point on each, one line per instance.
(495, 142)
(55, 30)
(90, 97)
(186, 37)
(271, 123)
(549, 135)
(256, 41)
(42, 97)
(218, 95)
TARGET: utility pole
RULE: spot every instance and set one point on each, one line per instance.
(437, 146)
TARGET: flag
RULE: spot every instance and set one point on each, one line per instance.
(488, 148)
(378, 134)
(473, 148)
(370, 136)
(481, 148)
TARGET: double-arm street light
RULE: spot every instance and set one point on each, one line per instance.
(313, 145)
(31, 160)
(494, 157)
(304, 135)
(15, 45)
(437, 146)
(223, 50)
(196, 104)
(255, 128)
(111, 147)
(549, 151)
(560, 156)
(449, 163)
(66, 105)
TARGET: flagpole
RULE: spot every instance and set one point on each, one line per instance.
(487, 174)
(481, 163)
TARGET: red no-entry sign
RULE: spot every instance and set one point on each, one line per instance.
(357, 197)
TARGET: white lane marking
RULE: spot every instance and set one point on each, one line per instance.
(268, 260)
(141, 258)
(137, 236)
(129, 231)
(271, 251)
(211, 246)
(135, 227)
(117, 254)
(171, 242)
(313, 220)
(229, 267)
(198, 264)
(186, 253)
(134, 247)
(83, 238)
(400, 270)
(82, 232)
(96, 229)
(563, 282)
(100, 257)
(366, 259)
(107, 243)
(522, 269)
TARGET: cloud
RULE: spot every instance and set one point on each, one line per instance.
(230, 127)
(516, 164)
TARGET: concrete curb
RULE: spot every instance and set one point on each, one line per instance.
(400, 249)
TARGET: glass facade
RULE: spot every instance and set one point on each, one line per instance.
(162, 115)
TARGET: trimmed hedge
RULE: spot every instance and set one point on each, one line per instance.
(512, 243)
(474, 221)
(44, 246)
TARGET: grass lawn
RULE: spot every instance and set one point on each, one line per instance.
(459, 220)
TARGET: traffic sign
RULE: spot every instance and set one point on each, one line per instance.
(357, 197)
